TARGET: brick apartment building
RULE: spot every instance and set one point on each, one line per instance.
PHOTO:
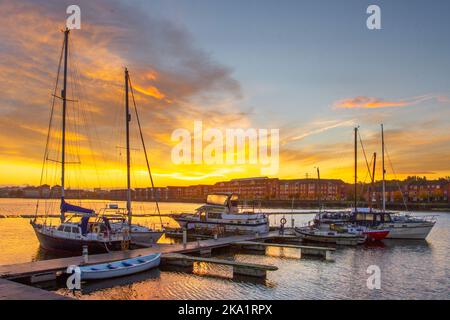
(428, 191)
(414, 191)
(250, 188)
(151, 194)
(263, 188)
(312, 189)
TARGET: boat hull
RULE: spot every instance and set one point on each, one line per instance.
(98, 272)
(73, 245)
(416, 232)
(339, 240)
(229, 227)
(146, 237)
(376, 235)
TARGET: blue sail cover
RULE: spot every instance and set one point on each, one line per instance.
(67, 207)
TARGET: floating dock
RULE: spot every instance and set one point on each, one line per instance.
(174, 254)
(10, 290)
(324, 252)
(239, 268)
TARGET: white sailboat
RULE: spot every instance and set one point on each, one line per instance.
(325, 233)
(399, 225)
(138, 233)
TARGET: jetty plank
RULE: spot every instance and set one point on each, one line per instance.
(10, 290)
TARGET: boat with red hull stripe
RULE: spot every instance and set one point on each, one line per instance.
(376, 235)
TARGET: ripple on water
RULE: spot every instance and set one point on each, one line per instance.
(410, 270)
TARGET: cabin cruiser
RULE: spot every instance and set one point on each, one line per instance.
(221, 213)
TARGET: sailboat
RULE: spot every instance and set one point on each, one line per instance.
(138, 233)
(91, 230)
(400, 226)
(329, 233)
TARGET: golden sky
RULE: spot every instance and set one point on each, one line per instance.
(177, 82)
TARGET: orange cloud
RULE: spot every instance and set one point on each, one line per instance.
(363, 102)
(151, 91)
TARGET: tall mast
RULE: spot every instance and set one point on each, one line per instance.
(372, 183)
(384, 170)
(127, 122)
(319, 190)
(356, 168)
(63, 140)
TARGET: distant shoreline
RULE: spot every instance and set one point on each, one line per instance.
(285, 204)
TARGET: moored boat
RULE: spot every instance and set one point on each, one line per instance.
(71, 235)
(376, 235)
(338, 237)
(400, 226)
(138, 233)
(92, 231)
(120, 268)
(221, 213)
(99, 233)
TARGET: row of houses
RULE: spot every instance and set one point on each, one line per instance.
(415, 191)
(260, 188)
(263, 188)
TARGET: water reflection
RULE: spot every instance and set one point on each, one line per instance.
(43, 254)
(410, 270)
(89, 287)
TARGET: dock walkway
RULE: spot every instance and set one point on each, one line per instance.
(21, 270)
(10, 290)
(325, 252)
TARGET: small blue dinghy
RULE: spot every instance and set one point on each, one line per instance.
(120, 268)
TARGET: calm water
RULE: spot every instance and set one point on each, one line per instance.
(409, 269)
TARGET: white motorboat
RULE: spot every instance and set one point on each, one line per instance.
(339, 237)
(120, 268)
(221, 214)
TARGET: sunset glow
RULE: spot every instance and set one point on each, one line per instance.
(178, 81)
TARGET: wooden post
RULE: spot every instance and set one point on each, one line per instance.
(184, 237)
(329, 256)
